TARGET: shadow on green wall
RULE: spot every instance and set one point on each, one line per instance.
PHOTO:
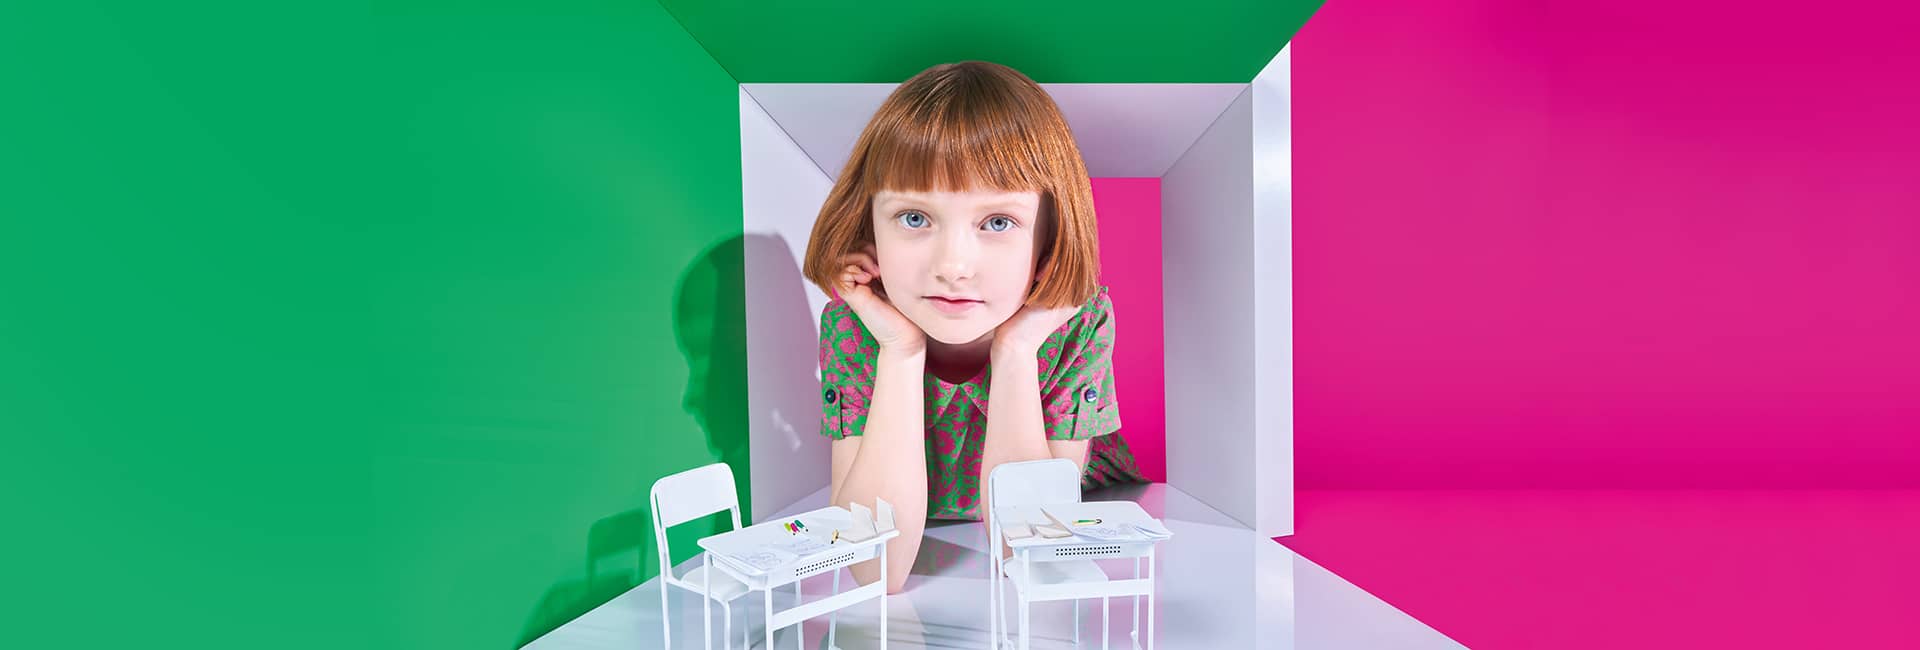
(709, 327)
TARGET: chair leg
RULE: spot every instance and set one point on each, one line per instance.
(666, 621)
(706, 603)
(1076, 622)
(1000, 609)
(726, 635)
(993, 594)
(993, 606)
(1003, 637)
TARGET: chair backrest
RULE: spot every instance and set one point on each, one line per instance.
(689, 495)
(1034, 482)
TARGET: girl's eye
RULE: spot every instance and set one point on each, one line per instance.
(913, 220)
(999, 224)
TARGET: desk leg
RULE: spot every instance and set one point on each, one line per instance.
(706, 601)
(1136, 607)
(1152, 598)
(833, 620)
(1104, 625)
(800, 628)
(1026, 627)
(883, 596)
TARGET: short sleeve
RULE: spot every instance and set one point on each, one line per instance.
(847, 353)
(1076, 364)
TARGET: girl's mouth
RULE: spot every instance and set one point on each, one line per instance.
(953, 305)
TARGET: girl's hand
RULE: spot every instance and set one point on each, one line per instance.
(1027, 329)
(859, 287)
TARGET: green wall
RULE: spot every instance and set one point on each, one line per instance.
(370, 327)
(368, 330)
(1071, 41)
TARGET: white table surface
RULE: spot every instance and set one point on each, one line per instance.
(822, 519)
(1223, 585)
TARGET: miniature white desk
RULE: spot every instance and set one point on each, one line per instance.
(839, 554)
(1028, 550)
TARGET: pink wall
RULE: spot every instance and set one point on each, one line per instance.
(1615, 244)
(1129, 214)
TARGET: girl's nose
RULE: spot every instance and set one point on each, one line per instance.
(954, 259)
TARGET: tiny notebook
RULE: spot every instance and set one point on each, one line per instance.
(1054, 530)
(865, 526)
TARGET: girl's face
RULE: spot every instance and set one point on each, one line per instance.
(957, 264)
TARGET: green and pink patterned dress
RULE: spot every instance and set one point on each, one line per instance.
(1076, 398)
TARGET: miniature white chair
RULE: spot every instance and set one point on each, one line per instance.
(683, 497)
(1035, 482)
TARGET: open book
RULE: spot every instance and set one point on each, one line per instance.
(865, 525)
(1055, 528)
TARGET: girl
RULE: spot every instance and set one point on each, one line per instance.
(960, 246)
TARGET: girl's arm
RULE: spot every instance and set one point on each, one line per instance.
(1015, 429)
(889, 461)
(1016, 426)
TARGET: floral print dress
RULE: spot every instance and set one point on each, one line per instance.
(1076, 398)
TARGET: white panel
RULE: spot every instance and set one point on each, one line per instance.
(1273, 295)
(1124, 130)
(1207, 259)
(782, 194)
(1138, 130)
(1226, 257)
(824, 119)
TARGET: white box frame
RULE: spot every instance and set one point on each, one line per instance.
(1223, 153)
